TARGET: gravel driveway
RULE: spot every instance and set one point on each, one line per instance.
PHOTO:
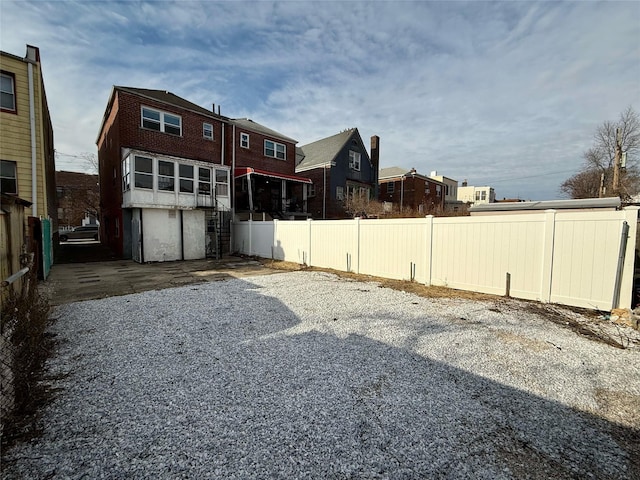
(308, 375)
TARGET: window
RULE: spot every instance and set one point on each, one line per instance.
(340, 193)
(222, 183)
(244, 140)
(186, 178)
(477, 196)
(274, 149)
(354, 160)
(7, 92)
(446, 189)
(166, 176)
(161, 121)
(438, 190)
(143, 172)
(391, 187)
(8, 178)
(126, 175)
(204, 181)
(207, 131)
(311, 190)
(483, 195)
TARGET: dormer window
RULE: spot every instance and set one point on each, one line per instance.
(161, 121)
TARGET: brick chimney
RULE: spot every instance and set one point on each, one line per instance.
(375, 162)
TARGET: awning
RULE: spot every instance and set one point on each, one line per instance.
(242, 171)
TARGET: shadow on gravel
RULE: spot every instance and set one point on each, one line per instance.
(192, 383)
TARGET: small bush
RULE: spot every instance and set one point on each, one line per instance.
(24, 319)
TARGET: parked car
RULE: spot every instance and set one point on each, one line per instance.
(86, 232)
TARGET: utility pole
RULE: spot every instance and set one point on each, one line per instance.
(616, 164)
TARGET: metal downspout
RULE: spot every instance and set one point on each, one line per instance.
(232, 180)
(34, 162)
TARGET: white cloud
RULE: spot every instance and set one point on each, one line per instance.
(475, 90)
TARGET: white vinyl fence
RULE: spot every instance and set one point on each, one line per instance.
(584, 259)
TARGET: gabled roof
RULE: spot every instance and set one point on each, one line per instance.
(169, 98)
(324, 151)
(249, 124)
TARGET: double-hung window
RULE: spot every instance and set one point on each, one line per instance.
(275, 150)
(354, 160)
(204, 181)
(8, 178)
(7, 92)
(143, 172)
(391, 187)
(244, 140)
(166, 176)
(207, 131)
(161, 121)
(186, 178)
(222, 183)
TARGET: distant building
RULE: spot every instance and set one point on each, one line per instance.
(78, 198)
(406, 189)
(476, 195)
(451, 202)
(340, 168)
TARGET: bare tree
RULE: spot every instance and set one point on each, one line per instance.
(91, 161)
(599, 161)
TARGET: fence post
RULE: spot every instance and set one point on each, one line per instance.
(309, 220)
(274, 240)
(626, 285)
(428, 249)
(547, 255)
(357, 270)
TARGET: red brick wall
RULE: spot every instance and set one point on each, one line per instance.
(254, 155)
(190, 144)
(412, 194)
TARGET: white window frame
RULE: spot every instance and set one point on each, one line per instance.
(311, 190)
(354, 160)
(204, 181)
(244, 140)
(207, 131)
(222, 185)
(126, 174)
(339, 193)
(142, 173)
(161, 121)
(391, 187)
(4, 93)
(161, 176)
(279, 150)
(182, 178)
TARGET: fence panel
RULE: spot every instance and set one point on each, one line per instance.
(476, 253)
(334, 244)
(586, 249)
(394, 249)
(570, 258)
(292, 242)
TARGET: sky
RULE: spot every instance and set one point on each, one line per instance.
(505, 94)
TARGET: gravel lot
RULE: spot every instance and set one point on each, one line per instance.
(308, 375)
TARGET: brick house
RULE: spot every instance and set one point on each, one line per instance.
(164, 177)
(265, 172)
(78, 198)
(409, 189)
(340, 168)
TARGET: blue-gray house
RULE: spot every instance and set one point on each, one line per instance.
(340, 168)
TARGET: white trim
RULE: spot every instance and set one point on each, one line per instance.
(162, 123)
(242, 135)
(275, 150)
